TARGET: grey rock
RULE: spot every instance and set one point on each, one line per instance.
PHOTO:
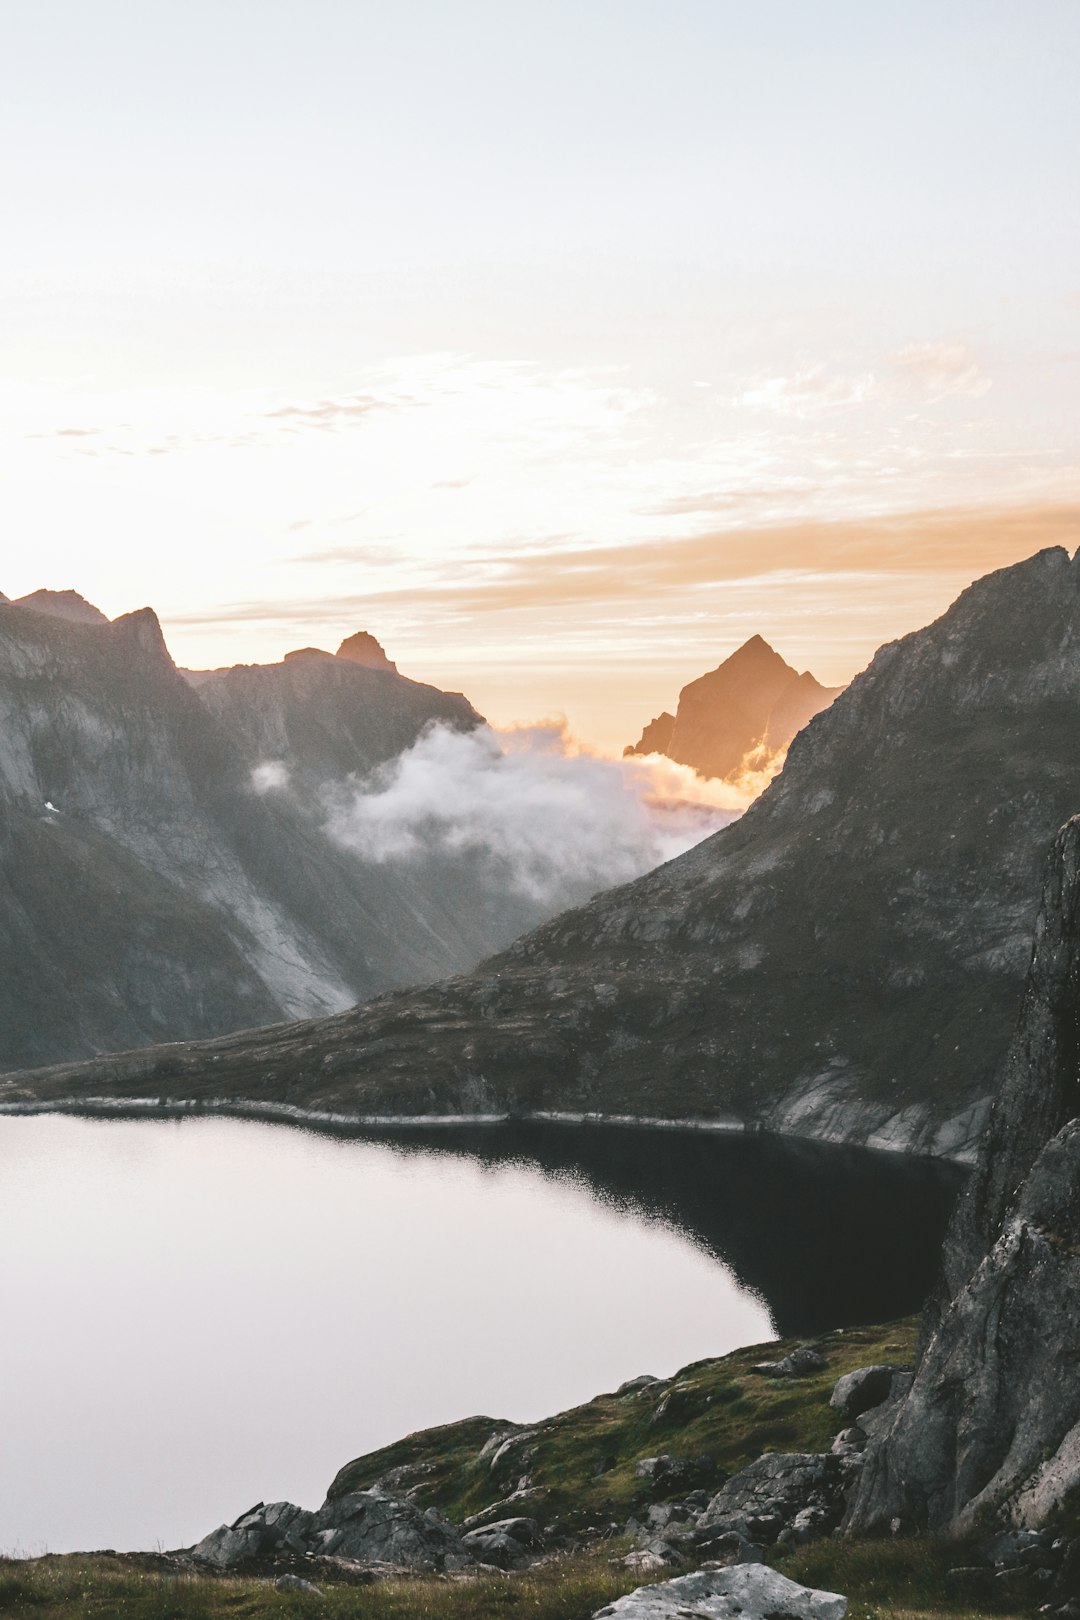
(632, 1385)
(991, 1423)
(363, 1527)
(505, 1542)
(857, 1391)
(745, 1592)
(798, 1364)
(767, 1497)
(296, 1583)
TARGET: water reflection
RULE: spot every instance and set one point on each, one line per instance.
(827, 1236)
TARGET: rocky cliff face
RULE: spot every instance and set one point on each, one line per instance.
(153, 886)
(753, 703)
(991, 1426)
(843, 962)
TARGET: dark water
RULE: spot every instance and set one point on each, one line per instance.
(200, 1314)
(826, 1236)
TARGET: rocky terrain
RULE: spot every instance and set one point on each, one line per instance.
(739, 716)
(846, 961)
(990, 1429)
(164, 869)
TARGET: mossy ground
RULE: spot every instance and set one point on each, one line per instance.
(717, 1407)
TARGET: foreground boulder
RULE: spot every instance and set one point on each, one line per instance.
(990, 1428)
(364, 1527)
(746, 1592)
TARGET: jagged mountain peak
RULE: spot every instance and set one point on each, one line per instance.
(66, 604)
(752, 703)
(362, 648)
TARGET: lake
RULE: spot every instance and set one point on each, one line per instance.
(203, 1313)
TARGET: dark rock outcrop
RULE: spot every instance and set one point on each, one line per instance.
(990, 1428)
(752, 702)
(843, 962)
(365, 1527)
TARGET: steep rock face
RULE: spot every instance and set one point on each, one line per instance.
(656, 736)
(150, 891)
(991, 1425)
(844, 962)
(754, 700)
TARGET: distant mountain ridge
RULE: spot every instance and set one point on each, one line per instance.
(155, 886)
(845, 961)
(737, 716)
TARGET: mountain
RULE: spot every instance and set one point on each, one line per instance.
(989, 1432)
(165, 869)
(62, 605)
(362, 648)
(753, 702)
(844, 962)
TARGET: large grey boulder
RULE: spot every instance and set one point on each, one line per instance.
(990, 1427)
(363, 1527)
(856, 1392)
(506, 1542)
(745, 1592)
(765, 1499)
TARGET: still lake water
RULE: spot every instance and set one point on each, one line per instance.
(200, 1314)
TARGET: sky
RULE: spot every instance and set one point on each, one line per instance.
(561, 345)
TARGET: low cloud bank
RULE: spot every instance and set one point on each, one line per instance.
(555, 821)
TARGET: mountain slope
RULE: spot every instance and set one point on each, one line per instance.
(845, 961)
(149, 890)
(754, 700)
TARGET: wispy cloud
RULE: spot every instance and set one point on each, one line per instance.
(809, 392)
(942, 370)
(664, 570)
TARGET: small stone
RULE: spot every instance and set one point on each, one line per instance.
(295, 1583)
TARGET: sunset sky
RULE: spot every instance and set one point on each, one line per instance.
(561, 345)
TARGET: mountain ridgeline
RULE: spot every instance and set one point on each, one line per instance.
(153, 886)
(845, 961)
(739, 716)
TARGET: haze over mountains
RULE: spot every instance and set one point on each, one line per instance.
(174, 852)
(844, 961)
(740, 716)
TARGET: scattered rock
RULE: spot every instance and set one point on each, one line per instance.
(632, 1385)
(798, 1364)
(745, 1592)
(296, 1583)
